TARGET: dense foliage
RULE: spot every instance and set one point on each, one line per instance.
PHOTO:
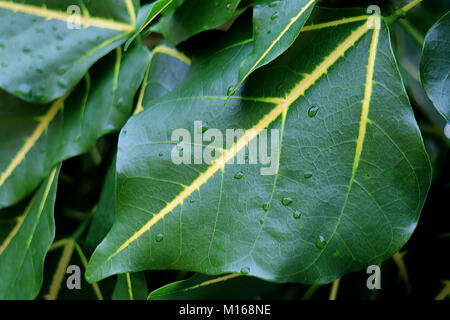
(195, 149)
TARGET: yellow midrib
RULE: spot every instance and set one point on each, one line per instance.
(85, 19)
(130, 288)
(44, 121)
(281, 108)
(154, 16)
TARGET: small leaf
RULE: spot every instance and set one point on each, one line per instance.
(195, 16)
(24, 245)
(272, 39)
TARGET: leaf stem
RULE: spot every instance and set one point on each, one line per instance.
(334, 289)
(400, 13)
(412, 31)
(445, 292)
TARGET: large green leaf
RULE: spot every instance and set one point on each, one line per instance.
(33, 138)
(25, 241)
(41, 58)
(273, 38)
(348, 189)
(195, 16)
(435, 66)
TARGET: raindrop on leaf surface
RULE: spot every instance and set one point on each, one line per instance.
(239, 175)
(313, 111)
(321, 242)
(286, 201)
(245, 270)
(159, 237)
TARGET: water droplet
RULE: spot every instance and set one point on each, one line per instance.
(159, 237)
(313, 111)
(62, 69)
(239, 175)
(297, 214)
(245, 270)
(120, 102)
(308, 174)
(265, 206)
(321, 242)
(230, 90)
(23, 90)
(273, 4)
(286, 201)
(62, 83)
(274, 16)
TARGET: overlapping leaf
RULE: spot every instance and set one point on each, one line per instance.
(272, 38)
(33, 138)
(334, 205)
(203, 287)
(24, 242)
(435, 66)
(46, 48)
(195, 16)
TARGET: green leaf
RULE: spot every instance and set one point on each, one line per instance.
(204, 287)
(147, 14)
(41, 58)
(33, 138)
(25, 243)
(195, 16)
(351, 171)
(130, 286)
(435, 66)
(273, 38)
